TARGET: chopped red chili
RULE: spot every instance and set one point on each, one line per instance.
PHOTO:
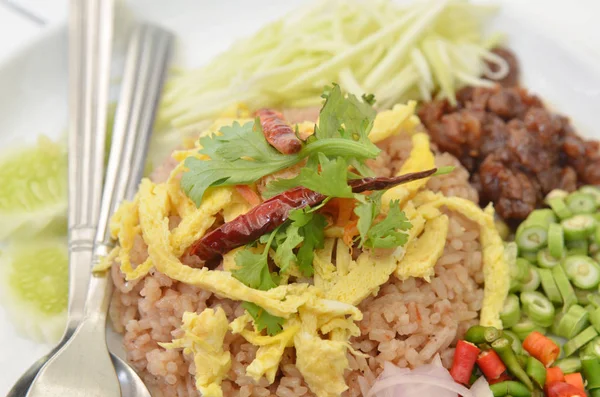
(465, 356)
(490, 364)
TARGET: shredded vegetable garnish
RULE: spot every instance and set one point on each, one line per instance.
(395, 52)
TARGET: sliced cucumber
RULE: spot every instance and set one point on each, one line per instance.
(33, 192)
(35, 287)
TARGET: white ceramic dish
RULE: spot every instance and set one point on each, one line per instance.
(559, 65)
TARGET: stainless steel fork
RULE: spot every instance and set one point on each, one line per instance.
(82, 367)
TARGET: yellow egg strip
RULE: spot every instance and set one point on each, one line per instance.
(394, 121)
(495, 268)
(423, 252)
(421, 158)
(203, 337)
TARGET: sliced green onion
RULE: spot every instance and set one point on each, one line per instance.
(569, 365)
(549, 286)
(545, 259)
(583, 271)
(579, 341)
(531, 236)
(541, 217)
(536, 371)
(592, 349)
(529, 256)
(556, 241)
(538, 308)
(560, 208)
(593, 191)
(521, 269)
(578, 227)
(556, 193)
(575, 320)
(525, 326)
(511, 312)
(582, 296)
(581, 203)
(577, 247)
(594, 299)
(591, 372)
(564, 286)
(532, 282)
(595, 318)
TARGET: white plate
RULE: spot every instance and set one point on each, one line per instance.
(558, 51)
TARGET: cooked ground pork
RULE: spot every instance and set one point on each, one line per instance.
(516, 150)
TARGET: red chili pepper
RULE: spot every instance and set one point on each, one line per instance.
(563, 389)
(490, 364)
(504, 377)
(267, 216)
(465, 356)
(277, 132)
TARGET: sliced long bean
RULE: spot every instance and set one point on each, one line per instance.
(579, 341)
(549, 286)
(581, 203)
(583, 271)
(556, 241)
(569, 365)
(511, 312)
(538, 308)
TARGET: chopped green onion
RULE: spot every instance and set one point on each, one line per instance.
(531, 236)
(575, 320)
(592, 349)
(556, 241)
(577, 247)
(581, 203)
(532, 282)
(556, 193)
(549, 286)
(569, 365)
(511, 312)
(578, 227)
(543, 217)
(560, 208)
(595, 318)
(579, 341)
(583, 271)
(536, 371)
(594, 299)
(591, 372)
(582, 296)
(564, 286)
(593, 191)
(521, 269)
(538, 308)
(525, 326)
(529, 256)
(545, 259)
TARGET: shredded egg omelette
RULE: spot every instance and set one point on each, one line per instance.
(321, 315)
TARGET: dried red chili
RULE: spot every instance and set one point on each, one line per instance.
(277, 132)
(267, 216)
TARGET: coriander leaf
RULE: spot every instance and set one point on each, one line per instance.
(284, 254)
(345, 117)
(367, 208)
(331, 181)
(369, 98)
(263, 319)
(241, 155)
(313, 232)
(252, 269)
(389, 233)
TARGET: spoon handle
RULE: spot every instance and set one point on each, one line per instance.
(90, 46)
